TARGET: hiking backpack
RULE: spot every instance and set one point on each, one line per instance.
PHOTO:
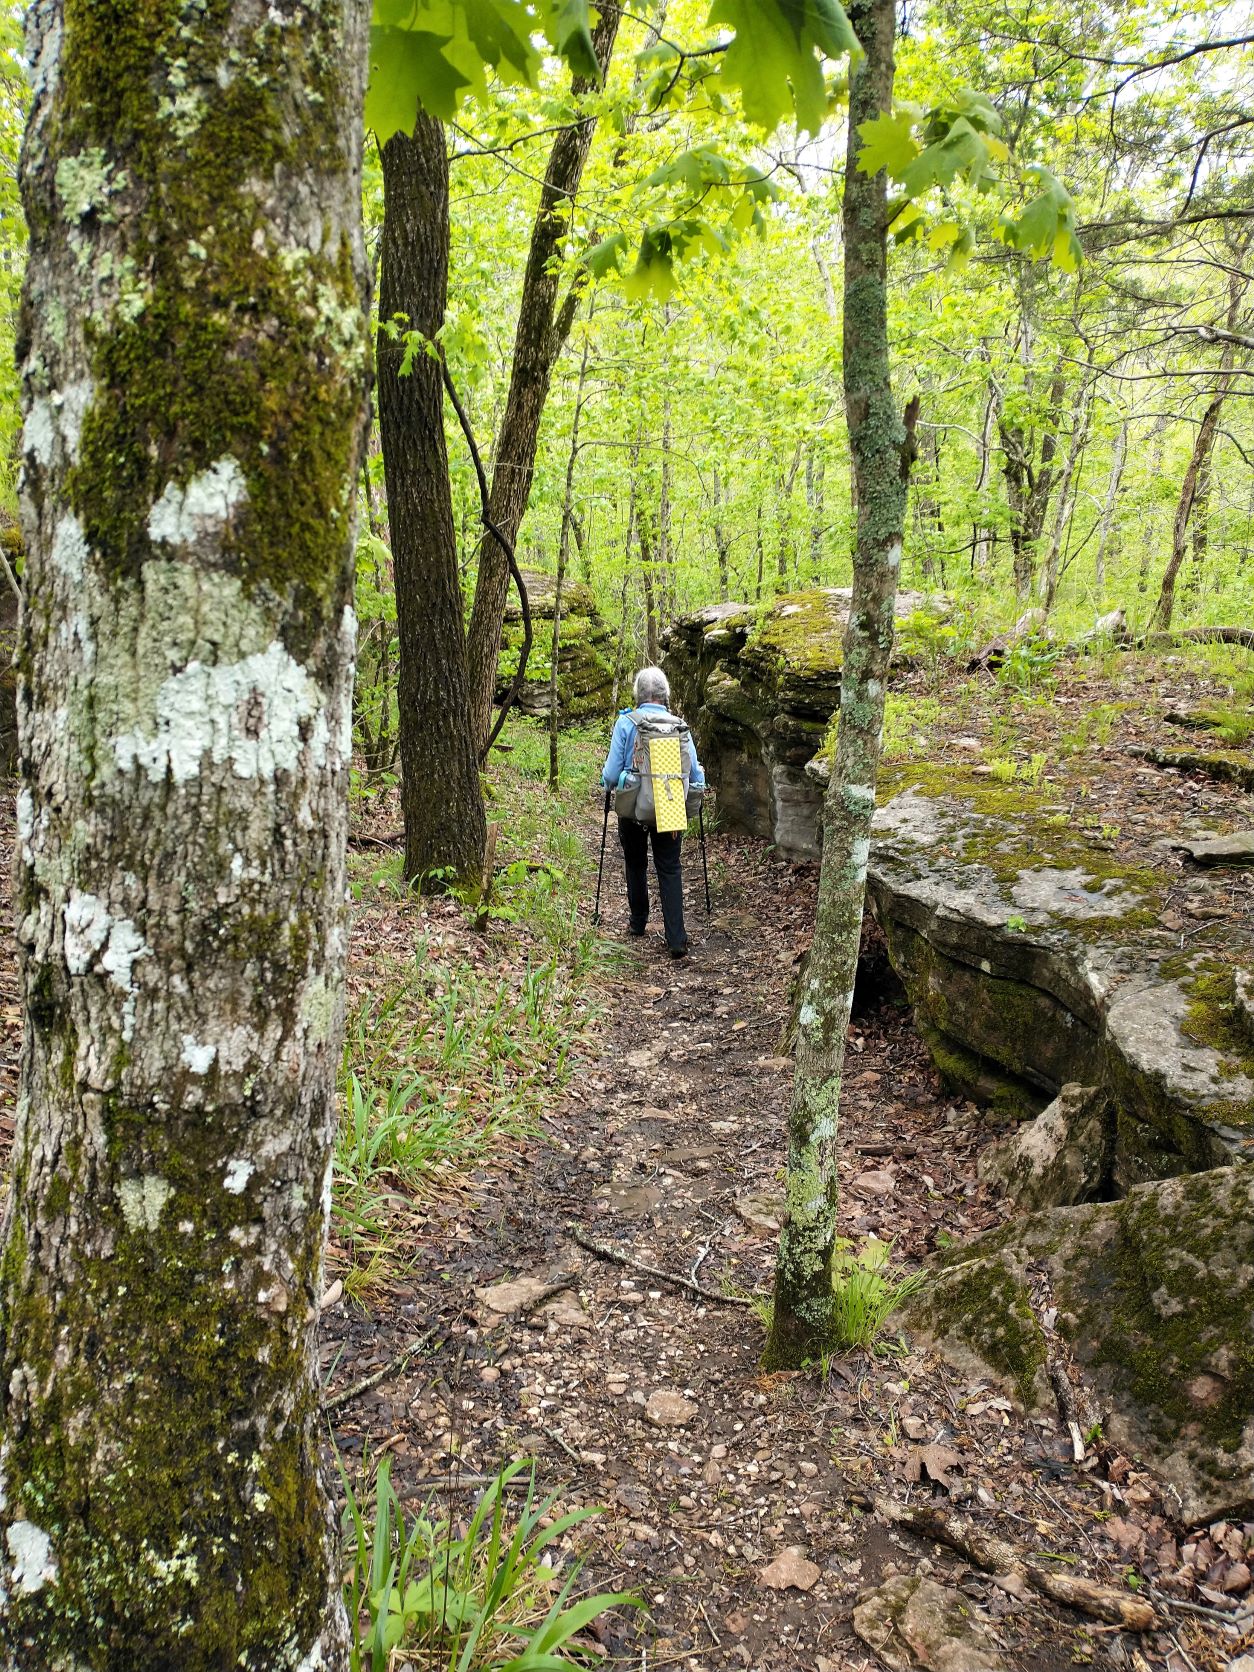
(658, 779)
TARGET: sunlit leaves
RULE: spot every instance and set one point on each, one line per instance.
(775, 58)
(433, 52)
(961, 144)
(1046, 227)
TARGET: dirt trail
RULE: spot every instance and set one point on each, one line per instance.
(648, 1401)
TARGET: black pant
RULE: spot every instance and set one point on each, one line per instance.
(670, 883)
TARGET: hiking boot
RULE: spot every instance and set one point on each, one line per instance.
(636, 934)
(680, 951)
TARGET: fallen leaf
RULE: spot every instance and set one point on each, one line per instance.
(932, 1463)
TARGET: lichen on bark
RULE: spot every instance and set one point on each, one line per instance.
(194, 364)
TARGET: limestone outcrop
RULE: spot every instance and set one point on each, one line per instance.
(1155, 1300)
(585, 667)
(1034, 959)
(759, 686)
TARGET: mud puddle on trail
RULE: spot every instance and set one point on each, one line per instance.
(647, 1400)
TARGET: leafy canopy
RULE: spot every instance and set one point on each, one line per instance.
(767, 56)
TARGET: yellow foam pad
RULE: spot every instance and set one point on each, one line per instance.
(666, 768)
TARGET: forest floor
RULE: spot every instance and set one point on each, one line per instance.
(646, 1400)
(662, 1136)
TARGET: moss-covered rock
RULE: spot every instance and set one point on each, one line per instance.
(585, 666)
(1035, 957)
(1155, 1299)
(1061, 1158)
(759, 686)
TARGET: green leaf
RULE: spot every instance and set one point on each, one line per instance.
(603, 258)
(407, 68)
(568, 26)
(654, 273)
(776, 56)
(887, 142)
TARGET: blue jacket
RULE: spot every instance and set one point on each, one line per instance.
(623, 745)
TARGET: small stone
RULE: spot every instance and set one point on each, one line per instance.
(877, 1183)
(718, 1452)
(489, 1374)
(809, 1470)
(791, 1570)
(666, 1409)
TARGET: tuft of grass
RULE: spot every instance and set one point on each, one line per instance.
(867, 1289)
(483, 1599)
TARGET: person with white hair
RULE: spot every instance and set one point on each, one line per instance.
(652, 694)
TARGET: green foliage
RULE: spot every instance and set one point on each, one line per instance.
(866, 1290)
(486, 1598)
(775, 57)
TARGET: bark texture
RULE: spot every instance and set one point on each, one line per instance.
(542, 330)
(194, 362)
(441, 798)
(880, 446)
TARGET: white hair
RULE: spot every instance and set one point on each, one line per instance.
(652, 685)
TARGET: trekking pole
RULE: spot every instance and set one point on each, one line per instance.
(705, 869)
(596, 915)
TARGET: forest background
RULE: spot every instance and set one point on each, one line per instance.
(1078, 431)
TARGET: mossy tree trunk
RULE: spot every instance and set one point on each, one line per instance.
(441, 797)
(194, 362)
(542, 330)
(881, 446)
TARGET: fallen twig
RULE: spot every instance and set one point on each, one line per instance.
(619, 1257)
(392, 1368)
(994, 1555)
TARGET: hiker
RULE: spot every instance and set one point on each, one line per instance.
(627, 772)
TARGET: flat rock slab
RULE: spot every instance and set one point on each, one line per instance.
(913, 1623)
(1237, 849)
(1035, 957)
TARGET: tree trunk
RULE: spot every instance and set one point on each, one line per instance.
(1201, 527)
(1051, 569)
(541, 332)
(563, 551)
(815, 471)
(665, 550)
(880, 447)
(1118, 456)
(441, 798)
(982, 533)
(1160, 621)
(647, 572)
(195, 367)
(720, 541)
(1029, 486)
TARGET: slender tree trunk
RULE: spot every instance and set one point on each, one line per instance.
(1051, 568)
(720, 541)
(648, 583)
(1118, 456)
(881, 448)
(1152, 518)
(815, 471)
(563, 550)
(191, 449)
(981, 534)
(761, 550)
(1160, 621)
(1201, 528)
(542, 330)
(1030, 486)
(787, 481)
(441, 798)
(665, 550)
